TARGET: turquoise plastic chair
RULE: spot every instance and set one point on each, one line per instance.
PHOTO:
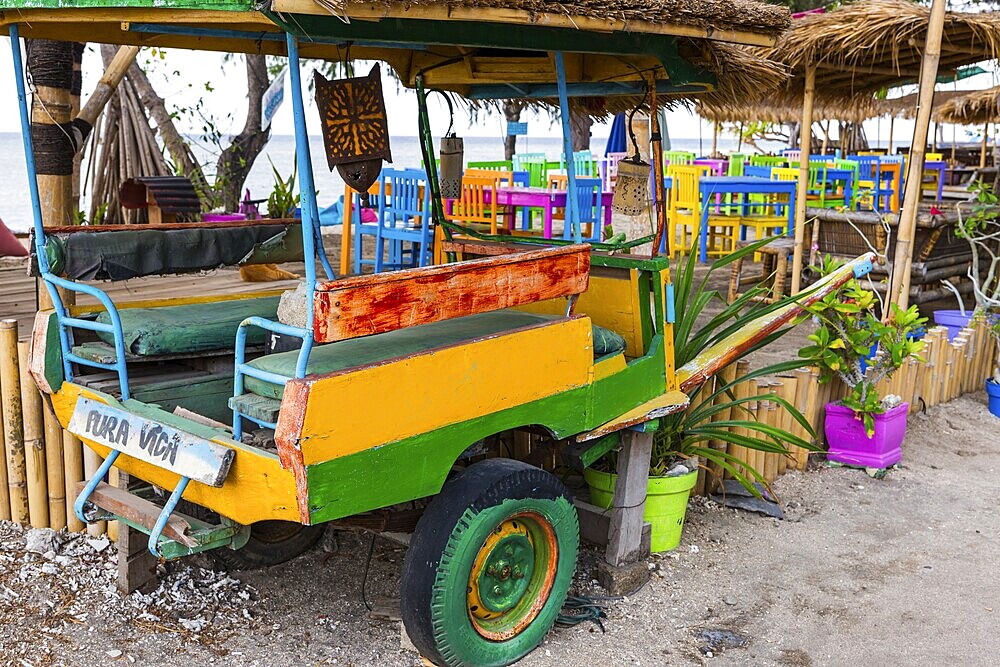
(404, 217)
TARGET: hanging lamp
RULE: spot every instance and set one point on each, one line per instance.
(355, 128)
(631, 196)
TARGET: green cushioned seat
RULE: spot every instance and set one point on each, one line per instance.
(193, 327)
(411, 340)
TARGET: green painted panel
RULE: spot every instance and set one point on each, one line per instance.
(372, 479)
(53, 353)
(214, 5)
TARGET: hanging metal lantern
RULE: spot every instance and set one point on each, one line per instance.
(355, 128)
(451, 166)
(632, 187)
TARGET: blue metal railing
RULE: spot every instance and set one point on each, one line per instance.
(52, 281)
(311, 240)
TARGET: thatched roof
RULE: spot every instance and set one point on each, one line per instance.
(866, 46)
(975, 108)
(768, 112)
(749, 16)
(906, 106)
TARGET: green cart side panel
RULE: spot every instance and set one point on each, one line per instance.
(192, 327)
(53, 352)
(371, 479)
(410, 340)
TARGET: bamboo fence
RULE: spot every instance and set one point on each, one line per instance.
(43, 464)
(949, 369)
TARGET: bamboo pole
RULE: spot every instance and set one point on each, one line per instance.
(715, 138)
(714, 475)
(811, 414)
(892, 121)
(805, 144)
(73, 466)
(13, 424)
(740, 391)
(55, 470)
(34, 443)
(983, 147)
(91, 462)
(901, 266)
(657, 159)
(790, 388)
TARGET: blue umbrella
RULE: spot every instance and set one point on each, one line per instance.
(617, 140)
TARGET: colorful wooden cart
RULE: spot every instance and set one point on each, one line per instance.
(403, 383)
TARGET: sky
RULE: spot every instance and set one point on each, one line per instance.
(227, 96)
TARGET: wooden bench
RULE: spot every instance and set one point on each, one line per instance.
(374, 304)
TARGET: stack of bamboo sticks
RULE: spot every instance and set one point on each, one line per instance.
(42, 463)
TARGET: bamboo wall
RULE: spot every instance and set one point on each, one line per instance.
(43, 464)
(950, 369)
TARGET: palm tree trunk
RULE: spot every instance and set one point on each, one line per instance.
(512, 113)
(237, 159)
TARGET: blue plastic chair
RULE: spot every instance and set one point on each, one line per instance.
(363, 229)
(877, 189)
(589, 210)
(404, 217)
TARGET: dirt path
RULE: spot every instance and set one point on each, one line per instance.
(899, 571)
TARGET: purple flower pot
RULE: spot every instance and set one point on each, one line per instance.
(953, 319)
(850, 445)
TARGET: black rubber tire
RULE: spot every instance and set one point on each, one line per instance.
(450, 534)
(271, 543)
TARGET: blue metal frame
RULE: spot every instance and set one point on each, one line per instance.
(50, 280)
(310, 237)
(572, 215)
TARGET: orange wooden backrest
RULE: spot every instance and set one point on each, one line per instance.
(373, 304)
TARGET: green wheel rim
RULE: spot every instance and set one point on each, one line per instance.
(512, 576)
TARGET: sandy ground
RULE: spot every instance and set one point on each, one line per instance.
(898, 571)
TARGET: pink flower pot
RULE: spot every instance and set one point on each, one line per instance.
(850, 445)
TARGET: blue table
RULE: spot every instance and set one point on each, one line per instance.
(709, 186)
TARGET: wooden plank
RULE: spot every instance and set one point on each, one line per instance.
(136, 566)
(140, 511)
(595, 526)
(625, 531)
(374, 304)
(661, 406)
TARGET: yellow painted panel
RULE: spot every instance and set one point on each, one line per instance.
(176, 301)
(611, 301)
(256, 489)
(609, 367)
(351, 411)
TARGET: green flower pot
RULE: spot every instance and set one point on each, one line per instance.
(666, 503)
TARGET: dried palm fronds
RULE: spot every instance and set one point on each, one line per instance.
(975, 108)
(862, 47)
(749, 15)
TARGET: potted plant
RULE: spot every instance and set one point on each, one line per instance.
(993, 382)
(684, 438)
(284, 197)
(862, 429)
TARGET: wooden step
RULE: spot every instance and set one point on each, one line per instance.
(257, 407)
(139, 511)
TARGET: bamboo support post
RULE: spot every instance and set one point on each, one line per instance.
(55, 469)
(899, 291)
(803, 186)
(34, 443)
(762, 460)
(73, 468)
(13, 423)
(91, 462)
(984, 146)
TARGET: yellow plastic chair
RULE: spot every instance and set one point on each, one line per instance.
(684, 215)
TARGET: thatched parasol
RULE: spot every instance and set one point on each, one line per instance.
(863, 47)
(976, 108)
(717, 16)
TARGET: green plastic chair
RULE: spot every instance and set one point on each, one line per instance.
(678, 157)
(767, 161)
(498, 165)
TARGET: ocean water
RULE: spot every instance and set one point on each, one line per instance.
(15, 203)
